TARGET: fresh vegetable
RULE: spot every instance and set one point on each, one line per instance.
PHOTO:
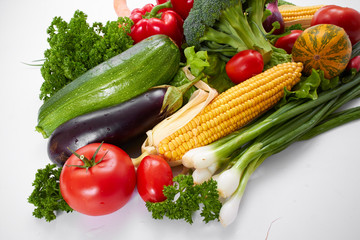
(309, 123)
(118, 124)
(230, 208)
(149, 21)
(182, 7)
(222, 27)
(244, 65)
(309, 87)
(138, 13)
(46, 196)
(301, 15)
(209, 158)
(344, 17)
(209, 64)
(236, 132)
(149, 63)
(76, 47)
(324, 46)
(354, 63)
(287, 42)
(269, 135)
(153, 173)
(275, 19)
(183, 199)
(97, 179)
(229, 181)
(274, 141)
(230, 110)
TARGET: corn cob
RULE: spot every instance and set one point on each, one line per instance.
(231, 110)
(296, 14)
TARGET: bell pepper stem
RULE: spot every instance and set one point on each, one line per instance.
(157, 8)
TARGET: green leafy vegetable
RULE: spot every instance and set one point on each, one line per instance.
(226, 27)
(184, 199)
(279, 56)
(211, 65)
(309, 87)
(76, 47)
(46, 196)
(197, 61)
(200, 62)
(297, 26)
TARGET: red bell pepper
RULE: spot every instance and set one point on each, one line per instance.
(151, 20)
(182, 7)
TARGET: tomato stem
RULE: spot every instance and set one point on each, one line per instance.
(88, 163)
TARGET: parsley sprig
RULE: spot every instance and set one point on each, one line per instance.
(77, 46)
(46, 196)
(184, 199)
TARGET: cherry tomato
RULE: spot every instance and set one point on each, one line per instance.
(153, 173)
(102, 188)
(287, 42)
(244, 65)
(347, 18)
(354, 63)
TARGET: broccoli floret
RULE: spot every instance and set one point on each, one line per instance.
(227, 27)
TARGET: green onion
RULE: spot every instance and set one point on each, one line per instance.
(221, 150)
(229, 209)
(304, 126)
(334, 120)
(272, 142)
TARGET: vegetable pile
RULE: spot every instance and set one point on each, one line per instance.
(213, 86)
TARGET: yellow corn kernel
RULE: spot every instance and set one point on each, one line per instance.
(232, 109)
(298, 14)
(290, 13)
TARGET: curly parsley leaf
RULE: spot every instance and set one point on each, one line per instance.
(46, 196)
(76, 47)
(184, 199)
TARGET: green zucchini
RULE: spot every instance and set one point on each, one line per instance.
(151, 62)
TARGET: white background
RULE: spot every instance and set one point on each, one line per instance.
(309, 191)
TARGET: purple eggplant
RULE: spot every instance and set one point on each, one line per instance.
(274, 17)
(115, 125)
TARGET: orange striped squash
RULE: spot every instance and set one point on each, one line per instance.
(326, 47)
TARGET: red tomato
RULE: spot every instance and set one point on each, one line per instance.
(244, 65)
(153, 173)
(287, 42)
(354, 63)
(347, 18)
(102, 188)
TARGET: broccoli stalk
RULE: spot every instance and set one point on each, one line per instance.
(226, 27)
